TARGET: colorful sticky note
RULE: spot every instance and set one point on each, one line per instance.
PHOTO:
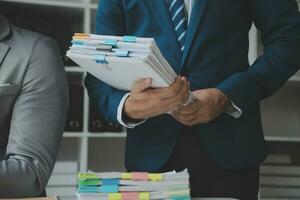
(100, 59)
(155, 177)
(81, 38)
(126, 176)
(140, 176)
(110, 42)
(110, 182)
(82, 34)
(79, 42)
(144, 196)
(130, 196)
(88, 189)
(109, 188)
(88, 182)
(127, 38)
(115, 196)
(181, 198)
(87, 176)
(121, 53)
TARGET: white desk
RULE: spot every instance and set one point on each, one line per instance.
(61, 198)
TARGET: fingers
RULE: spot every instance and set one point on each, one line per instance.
(157, 101)
(173, 90)
(186, 120)
(190, 109)
(175, 95)
(180, 97)
(141, 85)
(177, 99)
(185, 91)
(179, 87)
(209, 105)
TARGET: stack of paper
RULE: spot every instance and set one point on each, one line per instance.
(133, 186)
(121, 61)
(63, 180)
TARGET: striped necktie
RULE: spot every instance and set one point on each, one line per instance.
(177, 13)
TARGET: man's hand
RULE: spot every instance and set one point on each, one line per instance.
(209, 104)
(145, 102)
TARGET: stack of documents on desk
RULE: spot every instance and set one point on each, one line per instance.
(133, 186)
(121, 61)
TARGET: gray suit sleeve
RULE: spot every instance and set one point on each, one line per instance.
(37, 124)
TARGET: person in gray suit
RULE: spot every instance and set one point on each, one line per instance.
(33, 108)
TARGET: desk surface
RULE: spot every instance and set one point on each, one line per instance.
(52, 198)
(192, 199)
(199, 199)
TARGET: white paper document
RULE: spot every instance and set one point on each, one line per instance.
(121, 61)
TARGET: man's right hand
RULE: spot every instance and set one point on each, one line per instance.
(145, 102)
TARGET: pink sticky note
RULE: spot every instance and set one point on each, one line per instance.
(130, 196)
(140, 176)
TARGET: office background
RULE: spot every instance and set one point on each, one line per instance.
(90, 143)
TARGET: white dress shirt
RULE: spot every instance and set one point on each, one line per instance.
(233, 111)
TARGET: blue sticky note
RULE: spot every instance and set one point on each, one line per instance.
(109, 188)
(77, 42)
(121, 53)
(110, 42)
(181, 198)
(128, 38)
(88, 189)
(110, 182)
(100, 59)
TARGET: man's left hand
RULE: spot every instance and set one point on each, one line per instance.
(207, 106)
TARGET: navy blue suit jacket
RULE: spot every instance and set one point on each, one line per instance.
(216, 55)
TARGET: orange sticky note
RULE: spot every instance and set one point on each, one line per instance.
(82, 34)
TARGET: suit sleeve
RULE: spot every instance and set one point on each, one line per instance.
(110, 21)
(37, 124)
(279, 22)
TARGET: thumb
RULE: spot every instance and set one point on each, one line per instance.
(141, 85)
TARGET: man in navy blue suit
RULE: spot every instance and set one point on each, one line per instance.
(219, 136)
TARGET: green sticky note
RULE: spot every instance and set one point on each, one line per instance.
(87, 176)
(87, 182)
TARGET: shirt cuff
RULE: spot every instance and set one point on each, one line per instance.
(234, 111)
(127, 124)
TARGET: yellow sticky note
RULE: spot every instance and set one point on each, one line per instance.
(115, 196)
(127, 176)
(144, 196)
(155, 177)
(87, 176)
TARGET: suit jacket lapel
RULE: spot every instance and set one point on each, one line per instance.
(196, 16)
(4, 32)
(3, 52)
(161, 14)
(4, 28)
